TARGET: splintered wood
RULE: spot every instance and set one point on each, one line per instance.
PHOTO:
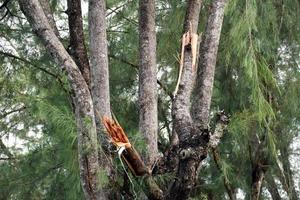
(128, 153)
(117, 134)
(188, 38)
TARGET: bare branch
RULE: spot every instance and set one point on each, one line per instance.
(217, 158)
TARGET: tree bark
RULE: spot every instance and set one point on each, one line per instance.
(49, 14)
(99, 57)
(148, 124)
(207, 62)
(87, 139)
(193, 141)
(182, 121)
(100, 87)
(77, 47)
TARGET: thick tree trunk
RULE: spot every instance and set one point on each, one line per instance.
(272, 187)
(148, 124)
(77, 47)
(99, 57)
(87, 139)
(182, 121)
(193, 141)
(206, 67)
(100, 87)
(49, 14)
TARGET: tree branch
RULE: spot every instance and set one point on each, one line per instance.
(77, 47)
(147, 79)
(206, 68)
(5, 150)
(49, 14)
(85, 118)
(55, 76)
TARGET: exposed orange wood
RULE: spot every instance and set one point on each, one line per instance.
(129, 155)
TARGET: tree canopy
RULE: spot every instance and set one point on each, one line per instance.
(256, 83)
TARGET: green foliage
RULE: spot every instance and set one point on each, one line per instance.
(257, 82)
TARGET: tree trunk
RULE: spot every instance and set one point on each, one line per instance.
(77, 47)
(207, 61)
(49, 14)
(87, 139)
(193, 141)
(100, 87)
(148, 124)
(182, 121)
(99, 58)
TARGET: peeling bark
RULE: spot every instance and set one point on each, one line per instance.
(77, 47)
(188, 161)
(148, 124)
(87, 139)
(207, 62)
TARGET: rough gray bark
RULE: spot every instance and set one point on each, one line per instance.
(49, 14)
(193, 140)
(148, 124)
(100, 85)
(182, 121)
(99, 57)
(272, 187)
(206, 67)
(87, 139)
(77, 47)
